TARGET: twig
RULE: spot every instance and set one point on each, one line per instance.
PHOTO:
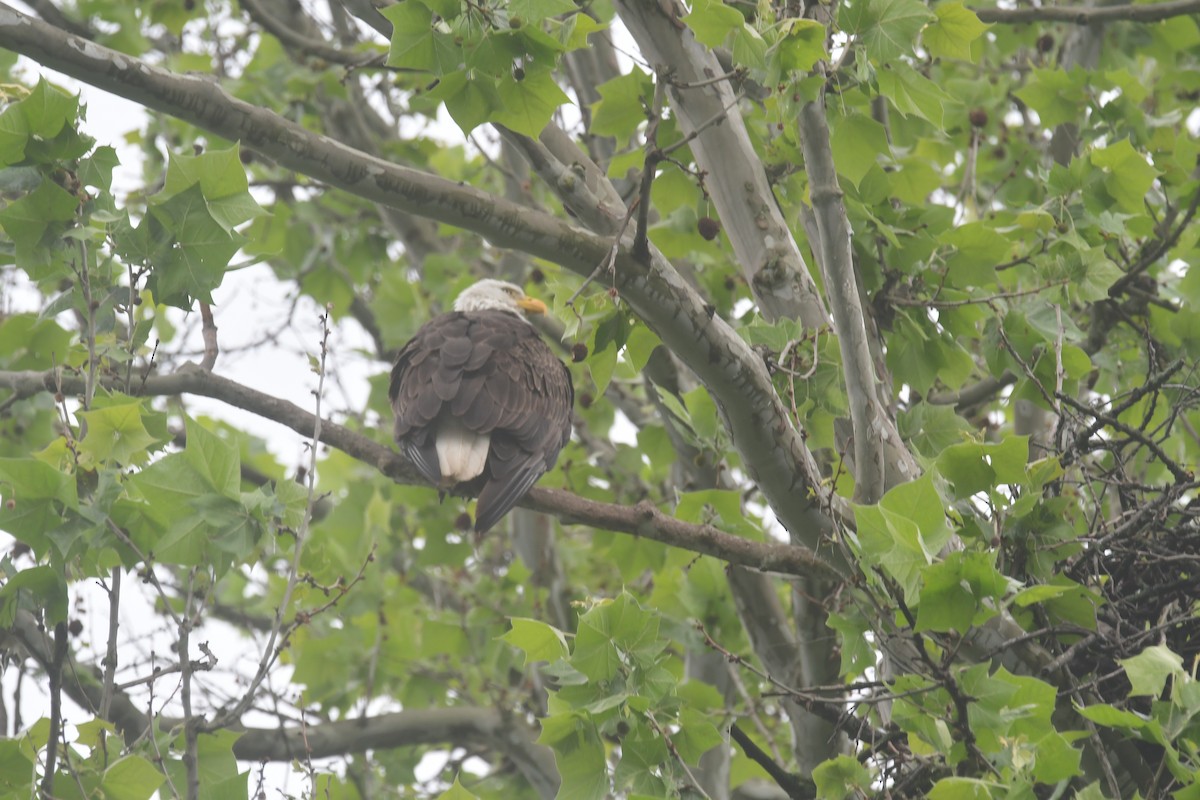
(209, 332)
(665, 735)
(269, 651)
(55, 671)
(919, 302)
(1180, 474)
(790, 783)
(110, 655)
(641, 242)
(609, 262)
(195, 665)
(1086, 15)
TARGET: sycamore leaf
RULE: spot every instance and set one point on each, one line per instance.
(539, 641)
(712, 20)
(1148, 670)
(621, 107)
(1127, 176)
(27, 220)
(116, 433)
(45, 587)
(912, 93)
(889, 28)
(857, 143)
(526, 105)
(951, 35)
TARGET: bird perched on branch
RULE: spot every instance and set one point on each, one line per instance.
(481, 402)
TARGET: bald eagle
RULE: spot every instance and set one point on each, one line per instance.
(481, 403)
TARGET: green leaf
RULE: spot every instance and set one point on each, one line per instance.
(48, 109)
(696, 735)
(1127, 175)
(219, 776)
(456, 792)
(1148, 670)
(579, 755)
(801, 45)
(857, 653)
(195, 264)
(131, 778)
(1111, 717)
(116, 433)
(972, 468)
(1057, 96)
(469, 100)
(527, 105)
(621, 107)
(16, 769)
(14, 133)
(951, 35)
(45, 587)
(594, 654)
(96, 170)
(42, 211)
(218, 462)
(539, 641)
(712, 20)
(857, 142)
(958, 592)
(415, 44)
(529, 11)
(222, 179)
(1056, 760)
(961, 789)
(912, 93)
(35, 495)
(841, 777)
(889, 28)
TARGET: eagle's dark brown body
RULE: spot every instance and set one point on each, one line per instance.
(489, 372)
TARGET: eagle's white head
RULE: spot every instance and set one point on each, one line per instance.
(490, 294)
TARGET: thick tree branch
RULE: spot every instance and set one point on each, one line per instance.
(879, 453)
(303, 45)
(490, 727)
(1086, 15)
(775, 455)
(733, 173)
(643, 519)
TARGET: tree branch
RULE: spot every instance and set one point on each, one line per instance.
(879, 451)
(733, 173)
(1086, 15)
(491, 727)
(643, 519)
(299, 43)
(773, 451)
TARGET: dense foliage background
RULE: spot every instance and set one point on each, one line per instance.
(883, 481)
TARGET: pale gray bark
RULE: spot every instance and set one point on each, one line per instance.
(735, 178)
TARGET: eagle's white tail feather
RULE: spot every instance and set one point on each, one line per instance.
(462, 453)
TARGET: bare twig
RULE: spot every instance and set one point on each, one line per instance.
(269, 650)
(209, 332)
(55, 671)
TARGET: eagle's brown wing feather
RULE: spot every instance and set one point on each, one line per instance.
(492, 371)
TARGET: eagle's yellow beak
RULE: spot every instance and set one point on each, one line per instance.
(531, 305)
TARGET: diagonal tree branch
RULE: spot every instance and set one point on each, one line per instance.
(735, 178)
(644, 519)
(772, 449)
(879, 452)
